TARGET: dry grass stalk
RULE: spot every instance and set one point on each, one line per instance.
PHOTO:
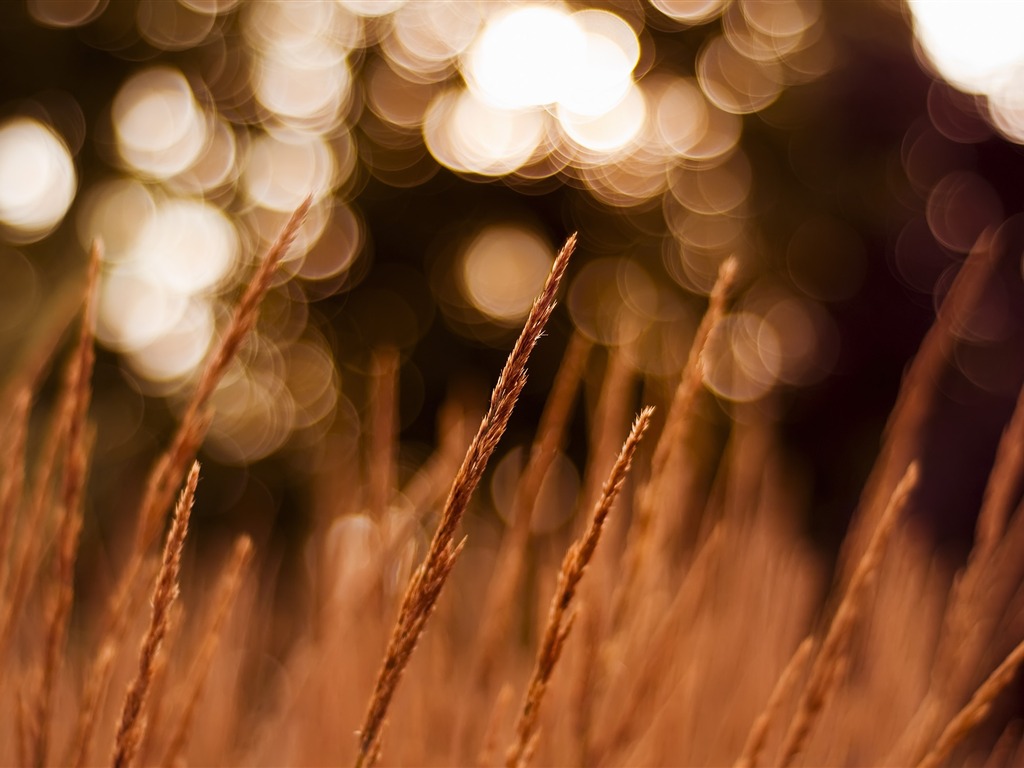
(787, 681)
(641, 533)
(428, 580)
(23, 561)
(584, 690)
(999, 493)
(12, 481)
(980, 595)
(97, 681)
(427, 487)
(610, 416)
(500, 602)
(227, 591)
(26, 557)
(381, 461)
(641, 685)
(73, 405)
(489, 743)
(835, 646)
(152, 717)
(974, 711)
(559, 624)
(131, 724)
(169, 470)
(39, 349)
(916, 396)
(89, 710)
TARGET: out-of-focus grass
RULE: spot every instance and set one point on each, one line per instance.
(702, 632)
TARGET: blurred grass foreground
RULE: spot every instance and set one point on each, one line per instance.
(456, 382)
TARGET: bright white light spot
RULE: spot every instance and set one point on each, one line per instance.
(974, 44)
(283, 169)
(525, 57)
(468, 135)
(187, 245)
(1006, 107)
(37, 177)
(503, 269)
(610, 131)
(601, 76)
(160, 128)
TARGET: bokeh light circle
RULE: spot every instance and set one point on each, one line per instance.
(502, 269)
(159, 127)
(525, 56)
(743, 358)
(37, 178)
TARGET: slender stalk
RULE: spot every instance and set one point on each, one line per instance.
(835, 646)
(74, 407)
(227, 591)
(974, 711)
(428, 580)
(559, 624)
(131, 724)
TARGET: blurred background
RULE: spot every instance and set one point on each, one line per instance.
(849, 154)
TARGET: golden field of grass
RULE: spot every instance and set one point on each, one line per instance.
(665, 626)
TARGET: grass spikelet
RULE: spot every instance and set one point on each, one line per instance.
(1006, 472)
(835, 646)
(783, 688)
(426, 584)
(641, 532)
(88, 713)
(131, 724)
(12, 481)
(974, 711)
(381, 465)
(489, 743)
(559, 624)
(227, 591)
(505, 581)
(916, 397)
(73, 406)
(169, 470)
